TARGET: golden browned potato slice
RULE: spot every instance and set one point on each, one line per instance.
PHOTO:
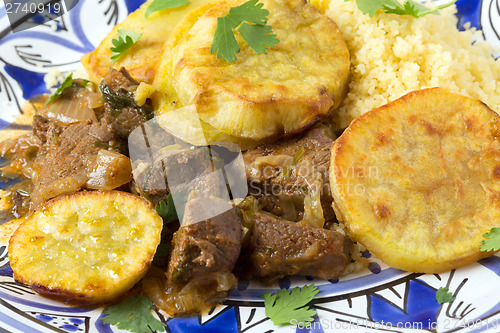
(258, 96)
(417, 181)
(86, 247)
(7, 229)
(142, 59)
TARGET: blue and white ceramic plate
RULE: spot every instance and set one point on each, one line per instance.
(380, 299)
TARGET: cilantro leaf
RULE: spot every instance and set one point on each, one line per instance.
(251, 12)
(224, 43)
(157, 5)
(68, 82)
(371, 7)
(167, 209)
(258, 37)
(443, 295)
(126, 38)
(162, 252)
(412, 8)
(250, 20)
(168, 213)
(285, 305)
(133, 315)
(492, 241)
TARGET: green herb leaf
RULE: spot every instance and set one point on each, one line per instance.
(157, 5)
(286, 173)
(167, 210)
(412, 8)
(162, 252)
(492, 241)
(68, 82)
(134, 315)
(251, 12)
(298, 156)
(126, 38)
(296, 159)
(443, 295)
(250, 20)
(258, 37)
(224, 43)
(286, 305)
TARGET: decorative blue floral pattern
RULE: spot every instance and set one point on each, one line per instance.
(380, 299)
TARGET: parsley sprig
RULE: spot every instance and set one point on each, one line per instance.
(286, 305)
(134, 315)
(167, 209)
(125, 40)
(412, 8)
(491, 241)
(157, 5)
(68, 82)
(443, 295)
(250, 19)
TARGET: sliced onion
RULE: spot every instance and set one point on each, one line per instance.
(197, 295)
(111, 170)
(78, 108)
(259, 166)
(313, 211)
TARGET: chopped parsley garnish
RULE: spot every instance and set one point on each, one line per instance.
(491, 241)
(250, 20)
(68, 82)
(298, 156)
(167, 210)
(296, 159)
(443, 295)
(157, 5)
(134, 315)
(286, 305)
(126, 38)
(412, 8)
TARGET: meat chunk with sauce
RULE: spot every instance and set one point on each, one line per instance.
(280, 174)
(180, 170)
(86, 153)
(120, 108)
(278, 248)
(208, 241)
(74, 157)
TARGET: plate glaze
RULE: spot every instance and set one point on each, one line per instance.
(379, 299)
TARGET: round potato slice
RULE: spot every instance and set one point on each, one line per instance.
(417, 181)
(258, 96)
(142, 59)
(86, 247)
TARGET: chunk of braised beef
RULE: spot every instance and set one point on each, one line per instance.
(281, 189)
(183, 170)
(279, 248)
(204, 244)
(120, 107)
(68, 156)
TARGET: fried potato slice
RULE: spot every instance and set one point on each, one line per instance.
(142, 59)
(86, 247)
(7, 229)
(417, 181)
(258, 96)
